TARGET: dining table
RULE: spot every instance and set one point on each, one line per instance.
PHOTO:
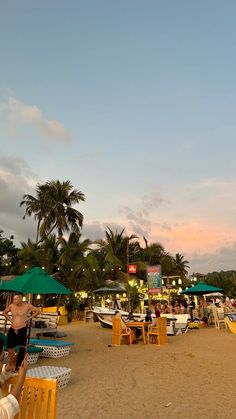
(141, 325)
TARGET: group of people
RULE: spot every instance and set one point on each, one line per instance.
(177, 306)
(19, 314)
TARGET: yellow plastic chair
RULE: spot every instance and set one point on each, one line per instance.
(153, 334)
(162, 323)
(119, 335)
(38, 397)
(158, 333)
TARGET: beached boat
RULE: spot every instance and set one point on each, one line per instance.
(104, 315)
(175, 323)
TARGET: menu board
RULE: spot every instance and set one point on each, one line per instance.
(154, 280)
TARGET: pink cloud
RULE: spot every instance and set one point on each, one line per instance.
(192, 237)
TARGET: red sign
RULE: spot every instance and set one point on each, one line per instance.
(132, 269)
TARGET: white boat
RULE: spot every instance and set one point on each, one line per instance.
(175, 323)
(104, 315)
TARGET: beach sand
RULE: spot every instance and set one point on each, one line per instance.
(193, 376)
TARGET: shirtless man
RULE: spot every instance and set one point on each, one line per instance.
(17, 334)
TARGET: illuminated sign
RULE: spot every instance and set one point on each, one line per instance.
(154, 280)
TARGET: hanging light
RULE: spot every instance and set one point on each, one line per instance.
(38, 297)
(173, 282)
(179, 281)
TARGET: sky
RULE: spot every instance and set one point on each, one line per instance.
(132, 101)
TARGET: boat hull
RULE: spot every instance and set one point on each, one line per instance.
(175, 324)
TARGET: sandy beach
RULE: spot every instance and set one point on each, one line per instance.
(193, 376)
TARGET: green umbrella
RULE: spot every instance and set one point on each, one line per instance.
(201, 289)
(35, 281)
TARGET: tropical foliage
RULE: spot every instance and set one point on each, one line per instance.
(81, 264)
(52, 208)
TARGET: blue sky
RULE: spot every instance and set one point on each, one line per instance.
(132, 101)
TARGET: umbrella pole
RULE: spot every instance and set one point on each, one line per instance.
(30, 323)
(58, 305)
(7, 304)
(29, 331)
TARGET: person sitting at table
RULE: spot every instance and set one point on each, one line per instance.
(166, 309)
(131, 317)
(191, 307)
(157, 307)
(124, 328)
(177, 308)
(148, 317)
(136, 333)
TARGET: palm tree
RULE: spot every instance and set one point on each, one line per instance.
(8, 255)
(52, 208)
(116, 248)
(153, 253)
(49, 253)
(29, 255)
(72, 250)
(181, 265)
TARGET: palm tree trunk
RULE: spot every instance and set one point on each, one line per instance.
(38, 228)
(48, 234)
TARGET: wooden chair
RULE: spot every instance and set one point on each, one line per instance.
(218, 316)
(162, 323)
(153, 334)
(38, 398)
(119, 335)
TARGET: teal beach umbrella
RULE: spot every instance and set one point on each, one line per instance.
(35, 281)
(201, 289)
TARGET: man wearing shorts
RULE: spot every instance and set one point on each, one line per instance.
(21, 314)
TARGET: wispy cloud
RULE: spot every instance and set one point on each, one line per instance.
(140, 219)
(17, 112)
(16, 179)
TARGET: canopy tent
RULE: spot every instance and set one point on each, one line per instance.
(111, 290)
(35, 281)
(201, 289)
